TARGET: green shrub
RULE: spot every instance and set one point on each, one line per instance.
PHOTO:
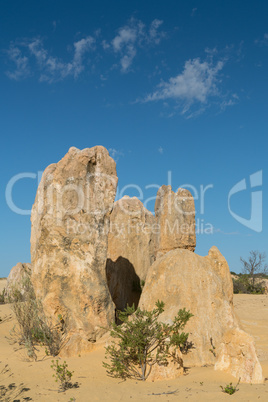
(143, 341)
(62, 374)
(34, 328)
(2, 296)
(229, 388)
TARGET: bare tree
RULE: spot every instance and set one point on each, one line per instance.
(255, 265)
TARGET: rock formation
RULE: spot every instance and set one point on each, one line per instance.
(203, 285)
(131, 249)
(77, 281)
(70, 224)
(175, 216)
(237, 356)
(15, 281)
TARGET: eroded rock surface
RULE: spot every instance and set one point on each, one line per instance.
(131, 248)
(175, 216)
(203, 285)
(70, 224)
(16, 280)
(237, 356)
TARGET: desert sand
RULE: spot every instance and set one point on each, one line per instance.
(34, 378)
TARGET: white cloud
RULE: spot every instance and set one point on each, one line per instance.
(229, 102)
(263, 41)
(115, 153)
(125, 44)
(154, 34)
(127, 59)
(196, 84)
(132, 36)
(211, 51)
(51, 68)
(22, 64)
(160, 150)
(197, 81)
(105, 44)
(81, 47)
(125, 36)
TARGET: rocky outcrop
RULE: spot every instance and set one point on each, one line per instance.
(175, 216)
(131, 248)
(16, 280)
(237, 356)
(203, 285)
(70, 224)
(89, 256)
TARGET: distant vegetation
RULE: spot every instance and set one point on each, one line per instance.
(243, 284)
(254, 271)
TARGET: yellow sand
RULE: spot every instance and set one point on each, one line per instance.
(199, 384)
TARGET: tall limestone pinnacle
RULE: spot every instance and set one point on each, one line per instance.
(70, 224)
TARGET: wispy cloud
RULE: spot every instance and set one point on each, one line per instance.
(54, 24)
(229, 102)
(22, 69)
(132, 36)
(197, 84)
(160, 150)
(115, 153)
(155, 35)
(263, 41)
(51, 68)
(31, 53)
(81, 47)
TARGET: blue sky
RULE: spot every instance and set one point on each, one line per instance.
(168, 86)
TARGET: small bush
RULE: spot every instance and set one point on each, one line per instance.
(2, 296)
(34, 328)
(239, 286)
(143, 341)
(62, 375)
(229, 388)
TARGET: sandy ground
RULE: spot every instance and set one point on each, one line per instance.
(35, 379)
